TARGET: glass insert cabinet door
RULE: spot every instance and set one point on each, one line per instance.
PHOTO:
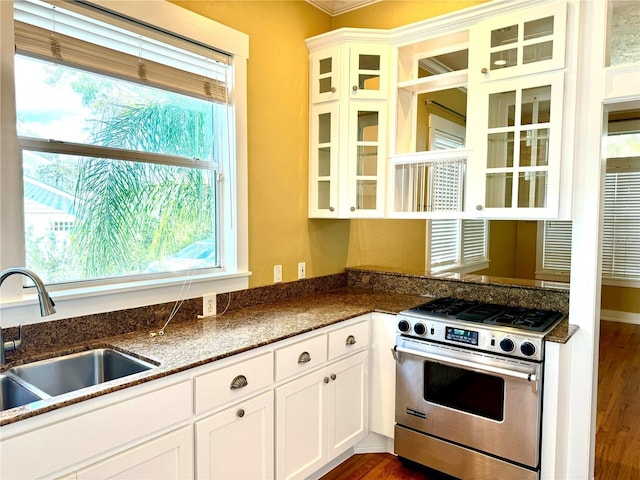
(528, 42)
(323, 165)
(325, 75)
(521, 145)
(368, 72)
(366, 154)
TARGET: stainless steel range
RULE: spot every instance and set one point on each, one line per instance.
(469, 388)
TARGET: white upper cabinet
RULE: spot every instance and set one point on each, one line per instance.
(521, 112)
(349, 88)
(522, 43)
(484, 107)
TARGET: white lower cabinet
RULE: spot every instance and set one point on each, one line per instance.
(320, 415)
(168, 457)
(237, 443)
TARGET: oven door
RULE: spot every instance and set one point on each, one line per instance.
(482, 401)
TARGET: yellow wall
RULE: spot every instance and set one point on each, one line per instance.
(279, 230)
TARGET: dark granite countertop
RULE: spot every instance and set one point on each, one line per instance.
(190, 344)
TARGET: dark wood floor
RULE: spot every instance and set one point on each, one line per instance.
(618, 410)
(617, 423)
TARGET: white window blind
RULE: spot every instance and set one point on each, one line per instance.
(556, 250)
(68, 38)
(621, 231)
(453, 244)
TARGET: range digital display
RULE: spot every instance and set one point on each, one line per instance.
(462, 335)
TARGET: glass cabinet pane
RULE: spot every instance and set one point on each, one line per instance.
(622, 32)
(534, 148)
(367, 161)
(502, 109)
(536, 105)
(324, 195)
(500, 150)
(326, 75)
(369, 72)
(367, 126)
(504, 35)
(540, 27)
(499, 190)
(366, 194)
(532, 189)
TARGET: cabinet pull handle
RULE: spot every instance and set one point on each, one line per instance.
(333, 376)
(304, 357)
(351, 340)
(239, 382)
(240, 413)
(326, 379)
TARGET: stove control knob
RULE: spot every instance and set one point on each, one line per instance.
(507, 345)
(528, 349)
(404, 326)
(419, 328)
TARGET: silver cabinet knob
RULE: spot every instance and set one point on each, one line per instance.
(484, 70)
(333, 376)
(331, 209)
(354, 88)
(353, 209)
(326, 379)
(333, 89)
(479, 207)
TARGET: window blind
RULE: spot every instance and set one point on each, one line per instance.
(52, 33)
(556, 251)
(621, 230)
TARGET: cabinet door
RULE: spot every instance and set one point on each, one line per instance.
(237, 443)
(522, 43)
(382, 382)
(366, 159)
(325, 75)
(167, 457)
(323, 160)
(300, 426)
(368, 71)
(347, 403)
(515, 169)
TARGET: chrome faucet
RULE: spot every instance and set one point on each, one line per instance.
(46, 307)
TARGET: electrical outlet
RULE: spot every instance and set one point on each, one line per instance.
(209, 305)
(302, 270)
(277, 273)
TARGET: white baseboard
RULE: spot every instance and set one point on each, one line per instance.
(617, 316)
(374, 443)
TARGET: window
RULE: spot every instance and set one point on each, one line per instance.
(621, 222)
(454, 245)
(137, 129)
(131, 167)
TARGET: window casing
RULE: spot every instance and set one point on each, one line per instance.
(233, 255)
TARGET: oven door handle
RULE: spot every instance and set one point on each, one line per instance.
(530, 377)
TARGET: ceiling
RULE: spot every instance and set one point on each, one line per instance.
(336, 7)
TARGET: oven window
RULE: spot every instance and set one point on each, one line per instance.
(464, 390)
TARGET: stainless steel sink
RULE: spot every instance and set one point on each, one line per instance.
(12, 394)
(64, 374)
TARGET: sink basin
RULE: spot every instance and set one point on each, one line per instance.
(64, 374)
(12, 394)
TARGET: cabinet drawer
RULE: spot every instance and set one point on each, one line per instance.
(348, 339)
(301, 356)
(233, 382)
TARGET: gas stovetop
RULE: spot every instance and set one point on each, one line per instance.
(489, 313)
(512, 331)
